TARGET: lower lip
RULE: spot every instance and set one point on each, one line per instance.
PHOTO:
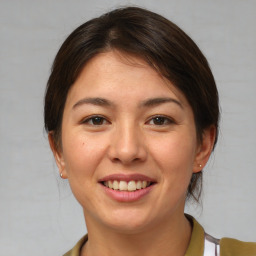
(127, 196)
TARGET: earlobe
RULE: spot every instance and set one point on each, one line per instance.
(205, 148)
(58, 156)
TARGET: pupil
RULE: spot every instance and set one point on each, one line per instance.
(159, 120)
(97, 120)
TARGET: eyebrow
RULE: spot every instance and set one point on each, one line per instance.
(158, 101)
(147, 103)
(94, 101)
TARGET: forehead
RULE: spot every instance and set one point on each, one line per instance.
(128, 77)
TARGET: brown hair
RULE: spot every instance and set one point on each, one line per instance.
(145, 34)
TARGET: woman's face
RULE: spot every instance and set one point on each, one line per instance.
(129, 144)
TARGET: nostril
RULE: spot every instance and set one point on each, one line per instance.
(116, 160)
(126, 160)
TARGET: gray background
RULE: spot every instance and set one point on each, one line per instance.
(38, 214)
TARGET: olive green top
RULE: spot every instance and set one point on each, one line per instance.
(228, 246)
(233, 247)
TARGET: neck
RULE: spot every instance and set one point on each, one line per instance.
(170, 238)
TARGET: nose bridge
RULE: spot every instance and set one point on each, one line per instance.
(127, 145)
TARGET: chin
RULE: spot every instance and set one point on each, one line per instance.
(129, 222)
(129, 228)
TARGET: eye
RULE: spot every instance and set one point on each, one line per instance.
(95, 120)
(160, 120)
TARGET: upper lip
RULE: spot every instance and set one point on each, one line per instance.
(127, 177)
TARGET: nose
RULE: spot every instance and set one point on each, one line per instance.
(127, 145)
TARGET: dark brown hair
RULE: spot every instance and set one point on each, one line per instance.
(147, 35)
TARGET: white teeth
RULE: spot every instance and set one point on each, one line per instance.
(138, 185)
(123, 185)
(126, 186)
(110, 184)
(131, 186)
(115, 185)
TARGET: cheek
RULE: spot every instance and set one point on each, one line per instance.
(175, 157)
(82, 155)
(174, 150)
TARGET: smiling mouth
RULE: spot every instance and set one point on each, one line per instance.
(127, 186)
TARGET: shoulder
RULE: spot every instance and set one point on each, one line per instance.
(75, 251)
(233, 247)
(203, 244)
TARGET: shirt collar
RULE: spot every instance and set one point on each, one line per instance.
(196, 245)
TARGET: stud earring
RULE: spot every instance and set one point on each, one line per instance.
(61, 175)
(200, 165)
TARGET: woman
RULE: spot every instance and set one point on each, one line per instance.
(131, 110)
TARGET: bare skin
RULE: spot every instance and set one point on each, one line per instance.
(163, 241)
(122, 118)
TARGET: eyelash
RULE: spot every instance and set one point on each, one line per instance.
(90, 120)
(166, 120)
(159, 118)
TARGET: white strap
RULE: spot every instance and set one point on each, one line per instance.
(211, 246)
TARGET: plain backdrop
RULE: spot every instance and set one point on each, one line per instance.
(38, 214)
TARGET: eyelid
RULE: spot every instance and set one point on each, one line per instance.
(90, 118)
(87, 119)
(168, 118)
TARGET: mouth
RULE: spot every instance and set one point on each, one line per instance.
(127, 183)
(129, 186)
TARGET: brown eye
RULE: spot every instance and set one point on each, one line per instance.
(95, 120)
(160, 120)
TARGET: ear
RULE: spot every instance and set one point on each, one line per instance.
(204, 148)
(58, 155)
